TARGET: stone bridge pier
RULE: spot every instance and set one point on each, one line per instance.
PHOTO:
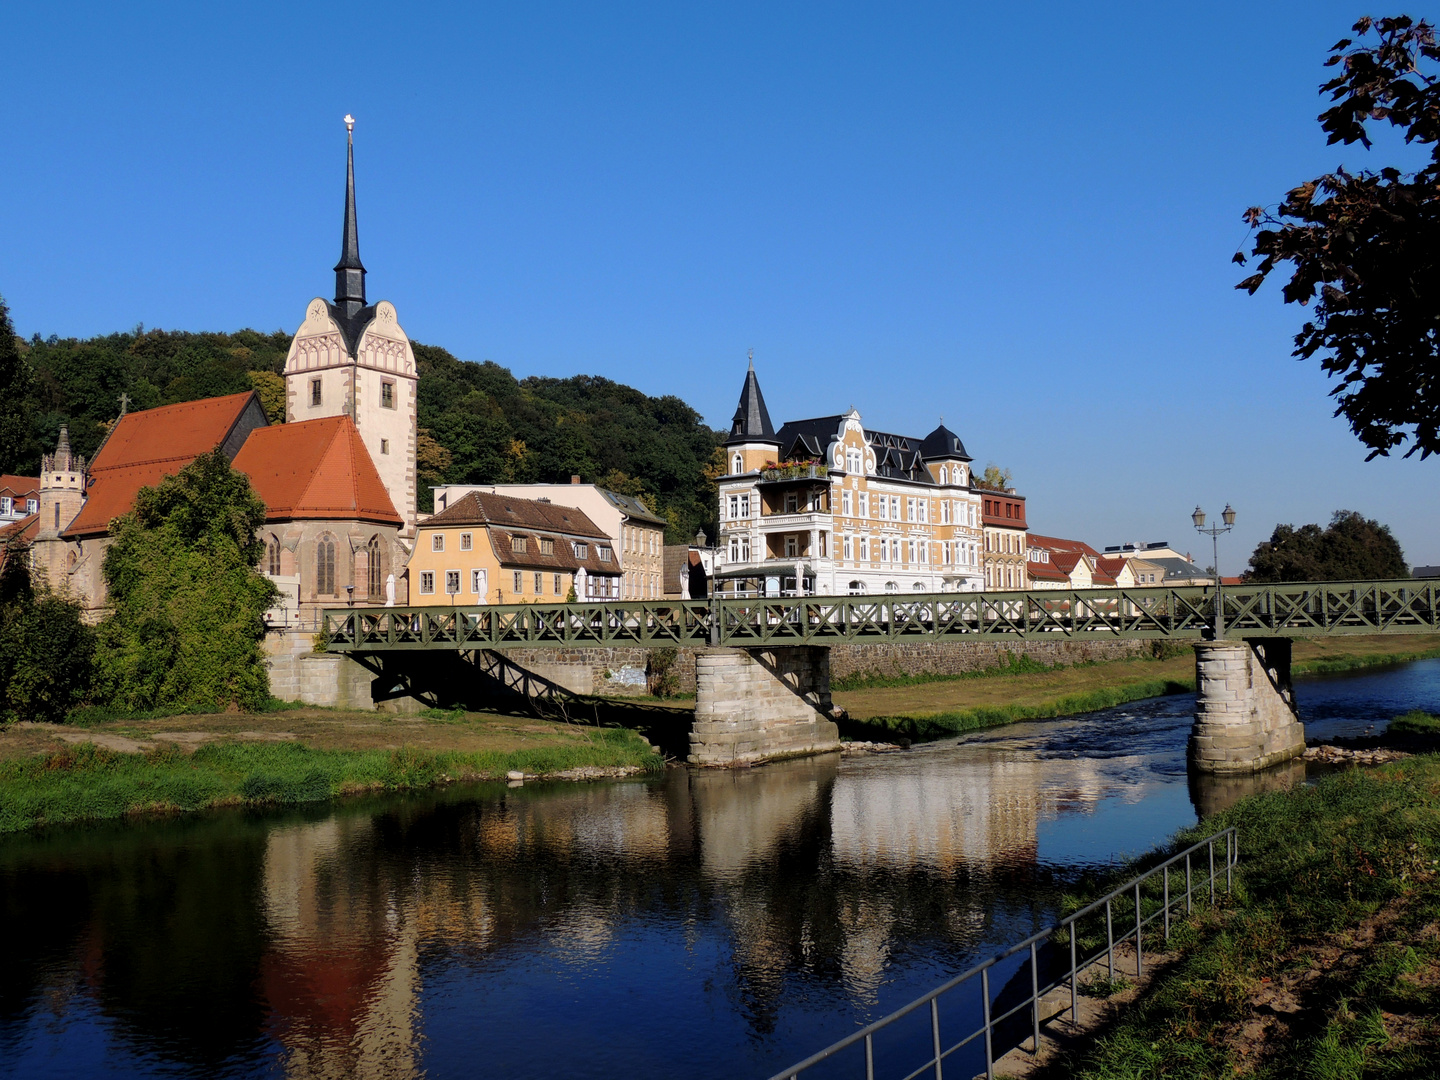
(758, 704)
(1245, 714)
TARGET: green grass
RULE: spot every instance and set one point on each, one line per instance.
(1014, 664)
(1356, 663)
(90, 715)
(956, 722)
(1316, 864)
(1416, 722)
(87, 783)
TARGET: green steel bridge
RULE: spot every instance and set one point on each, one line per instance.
(1187, 613)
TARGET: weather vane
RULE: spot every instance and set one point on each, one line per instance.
(349, 122)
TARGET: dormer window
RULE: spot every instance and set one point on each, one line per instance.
(582, 551)
(547, 547)
(517, 545)
(604, 553)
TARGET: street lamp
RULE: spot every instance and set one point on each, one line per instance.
(1228, 516)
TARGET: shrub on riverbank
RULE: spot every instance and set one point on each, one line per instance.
(86, 783)
(1324, 963)
(1415, 722)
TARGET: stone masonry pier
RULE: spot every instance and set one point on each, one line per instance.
(1245, 715)
(753, 705)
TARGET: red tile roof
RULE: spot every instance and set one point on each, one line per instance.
(145, 447)
(1107, 570)
(1044, 571)
(316, 470)
(1055, 543)
(489, 508)
(22, 531)
(1065, 561)
(20, 487)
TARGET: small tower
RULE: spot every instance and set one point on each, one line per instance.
(62, 494)
(62, 488)
(752, 438)
(351, 358)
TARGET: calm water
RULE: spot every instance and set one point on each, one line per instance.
(706, 924)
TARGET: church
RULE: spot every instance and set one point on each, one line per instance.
(337, 478)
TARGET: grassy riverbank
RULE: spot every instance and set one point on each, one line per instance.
(51, 774)
(1326, 960)
(923, 708)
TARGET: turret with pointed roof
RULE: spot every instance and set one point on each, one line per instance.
(943, 444)
(752, 420)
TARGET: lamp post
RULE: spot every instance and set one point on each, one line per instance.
(1228, 516)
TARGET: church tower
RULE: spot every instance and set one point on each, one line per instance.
(752, 438)
(62, 494)
(351, 358)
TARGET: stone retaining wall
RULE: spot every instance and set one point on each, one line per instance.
(298, 673)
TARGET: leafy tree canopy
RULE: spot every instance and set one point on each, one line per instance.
(187, 599)
(45, 647)
(14, 393)
(1350, 548)
(1364, 247)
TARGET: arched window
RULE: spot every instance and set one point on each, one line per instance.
(919, 586)
(372, 565)
(892, 586)
(272, 555)
(737, 465)
(944, 475)
(857, 588)
(325, 566)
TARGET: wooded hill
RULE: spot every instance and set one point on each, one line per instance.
(478, 423)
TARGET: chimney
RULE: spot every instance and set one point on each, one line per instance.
(574, 479)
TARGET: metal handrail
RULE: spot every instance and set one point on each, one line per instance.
(1032, 943)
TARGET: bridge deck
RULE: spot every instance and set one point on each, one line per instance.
(1290, 610)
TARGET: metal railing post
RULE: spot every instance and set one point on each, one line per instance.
(1232, 838)
(1187, 884)
(1074, 977)
(869, 1057)
(1210, 848)
(1139, 930)
(1109, 940)
(935, 1034)
(1035, 993)
(1167, 903)
(989, 1044)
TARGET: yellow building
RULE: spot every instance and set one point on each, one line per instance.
(487, 548)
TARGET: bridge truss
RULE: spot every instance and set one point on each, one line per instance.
(1188, 613)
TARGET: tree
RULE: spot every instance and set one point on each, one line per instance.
(188, 602)
(14, 389)
(1351, 548)
(1365, 246)
(269, 386)
(46, 650)
(995, 478)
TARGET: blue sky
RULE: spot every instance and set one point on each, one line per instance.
(1020, 220)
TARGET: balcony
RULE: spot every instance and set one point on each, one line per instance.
(791, 471)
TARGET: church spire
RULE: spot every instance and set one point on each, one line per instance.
(752, 420)
(349, 271)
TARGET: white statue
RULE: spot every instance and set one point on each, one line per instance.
(390, 591)
(685, 582)
(580, 584)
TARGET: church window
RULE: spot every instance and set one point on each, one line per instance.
(325, 567)
(517, 545)
(519, 583)
(384, 446)
(547, 547)
(372, 565)
(387, 394)
(272, 552)
(437, 541)
(452, 582)
(314, 391)
(467, 541)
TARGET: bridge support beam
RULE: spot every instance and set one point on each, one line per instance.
(1245, 715)
(754, 705)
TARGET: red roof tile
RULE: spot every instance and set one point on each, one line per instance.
(1055, 543)
(316, 470)
(145, 447)
(492, 508)
(1107, 570)
(20, 487)
(1044, 571)
(22, 531)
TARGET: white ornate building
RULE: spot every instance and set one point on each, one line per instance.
(826, 506)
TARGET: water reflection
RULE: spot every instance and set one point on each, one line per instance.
(574, 930)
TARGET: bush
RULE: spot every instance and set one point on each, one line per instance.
(46, 650)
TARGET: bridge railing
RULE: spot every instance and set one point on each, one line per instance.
(1372, 607)
(1153, 897)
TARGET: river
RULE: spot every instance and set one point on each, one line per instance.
(706, 924)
